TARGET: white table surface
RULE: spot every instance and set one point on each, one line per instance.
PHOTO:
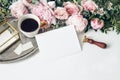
(93, 63)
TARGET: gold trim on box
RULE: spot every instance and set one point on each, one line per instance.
(9, 26)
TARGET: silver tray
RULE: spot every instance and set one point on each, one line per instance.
(8, 55)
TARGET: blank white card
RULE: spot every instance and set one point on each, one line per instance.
(58, 43)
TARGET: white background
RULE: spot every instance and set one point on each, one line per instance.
(93, 63)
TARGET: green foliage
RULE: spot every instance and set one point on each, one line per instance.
(117, 27)
(115, 2)
(4, 7)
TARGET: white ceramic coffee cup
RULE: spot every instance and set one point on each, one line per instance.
(29, 16)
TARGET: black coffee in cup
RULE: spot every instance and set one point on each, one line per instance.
(29, 25)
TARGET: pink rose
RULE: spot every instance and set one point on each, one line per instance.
(61, 13)
(78, 21)
(71, 8)
(97, 23)
(89, 5)
(44, 13)
(18, 9)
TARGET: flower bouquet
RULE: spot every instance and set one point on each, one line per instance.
(103, 15)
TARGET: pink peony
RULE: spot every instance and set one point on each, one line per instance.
(89, 5)
(18, 9)
(44, 13)
(71, 8)
(78, 21)
(97, 23)
(61, 13)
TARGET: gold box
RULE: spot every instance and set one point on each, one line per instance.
(8, 35)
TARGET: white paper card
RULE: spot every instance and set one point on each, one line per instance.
(18, 50)
(23, 47)
(58, 43)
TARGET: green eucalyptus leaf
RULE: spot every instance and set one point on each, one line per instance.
(118, 22)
